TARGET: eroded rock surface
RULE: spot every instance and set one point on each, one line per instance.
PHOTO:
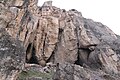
(11, 56)
(51, 34)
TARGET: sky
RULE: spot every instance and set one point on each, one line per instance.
(104, 11)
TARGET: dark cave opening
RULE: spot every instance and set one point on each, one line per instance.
(78, 61)
(30, 55)
(83, 55)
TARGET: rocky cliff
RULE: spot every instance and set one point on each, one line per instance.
(79, 48)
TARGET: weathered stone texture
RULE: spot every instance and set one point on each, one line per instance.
(11, 56)
(50, 34)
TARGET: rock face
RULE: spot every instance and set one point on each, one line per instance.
(11, 56)
(78, 46)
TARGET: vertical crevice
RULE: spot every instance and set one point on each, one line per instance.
(43, 54)
(77, 30)
(78, 61)
(38, 24)
(57, 45)
(24, 20)
(51, 58)
(26, 34)
(60, 34)
(30, 54)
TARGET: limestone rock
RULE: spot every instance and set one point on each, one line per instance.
(103, 55)
(68, 71)
(50, 34)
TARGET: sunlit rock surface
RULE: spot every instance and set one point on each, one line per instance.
(81, 48)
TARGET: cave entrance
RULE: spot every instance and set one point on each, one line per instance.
(30, 54)
(83, 55)
(78, 61)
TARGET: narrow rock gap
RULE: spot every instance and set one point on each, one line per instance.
(26, 34)
(60, 35)
(30, 54)
(78, 61)
(51, 58)
(60, 30)
(44, 44)
(23, 20)
(38, 24)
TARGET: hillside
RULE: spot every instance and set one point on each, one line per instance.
(49, 43)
